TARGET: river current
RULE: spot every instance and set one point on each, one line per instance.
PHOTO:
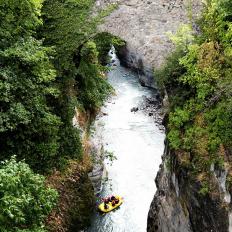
(137, 143)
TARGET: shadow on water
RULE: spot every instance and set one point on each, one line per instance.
(137, 142)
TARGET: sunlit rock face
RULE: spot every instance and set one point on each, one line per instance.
(144, 25)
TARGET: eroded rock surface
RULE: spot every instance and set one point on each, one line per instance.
(144, 24)
(178, 204)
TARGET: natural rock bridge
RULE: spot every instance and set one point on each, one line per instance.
(144, 25)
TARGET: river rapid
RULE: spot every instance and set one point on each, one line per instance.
(137, 143)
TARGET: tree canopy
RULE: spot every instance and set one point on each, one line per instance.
(25, 201)
(44, 76)
(197, 77)
(28, 127)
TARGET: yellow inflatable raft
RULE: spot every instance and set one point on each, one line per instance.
(110, 206)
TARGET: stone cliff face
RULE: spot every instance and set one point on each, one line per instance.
(178, 204)
(143, 24)
(166, 213)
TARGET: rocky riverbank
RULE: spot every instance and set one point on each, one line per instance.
(144, 24)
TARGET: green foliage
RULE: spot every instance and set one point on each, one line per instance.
(70, 145)
(67, 26)
(49, 66)
(177, 120)
(17, 19)
(36, 106)
(25, 200)
(179, 117)
(93, 87)
(167, 76)
(110, 156)
(183, 37)
(174, 139)
(218, 118)
(204, 189)
(106, 11)
(36, 229)
(197, 77)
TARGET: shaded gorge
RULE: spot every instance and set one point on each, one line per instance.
(137, 143)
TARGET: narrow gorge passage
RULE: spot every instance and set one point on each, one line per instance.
(138, 144)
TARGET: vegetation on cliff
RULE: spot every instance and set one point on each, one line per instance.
(197, 77)
(49, 66)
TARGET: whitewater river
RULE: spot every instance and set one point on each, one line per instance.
(138, 144)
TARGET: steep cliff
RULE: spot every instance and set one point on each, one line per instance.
(194, 180)
(178, 204)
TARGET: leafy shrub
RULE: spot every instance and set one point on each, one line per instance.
(25, 200)
(28, 126)
(197, 77)
(204, 190)
(94, 87)
(174, 139)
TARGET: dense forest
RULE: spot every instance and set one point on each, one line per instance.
(51, 63)
(197, 77)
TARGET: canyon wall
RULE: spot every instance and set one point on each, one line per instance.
(180, 206)
(144, 24)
